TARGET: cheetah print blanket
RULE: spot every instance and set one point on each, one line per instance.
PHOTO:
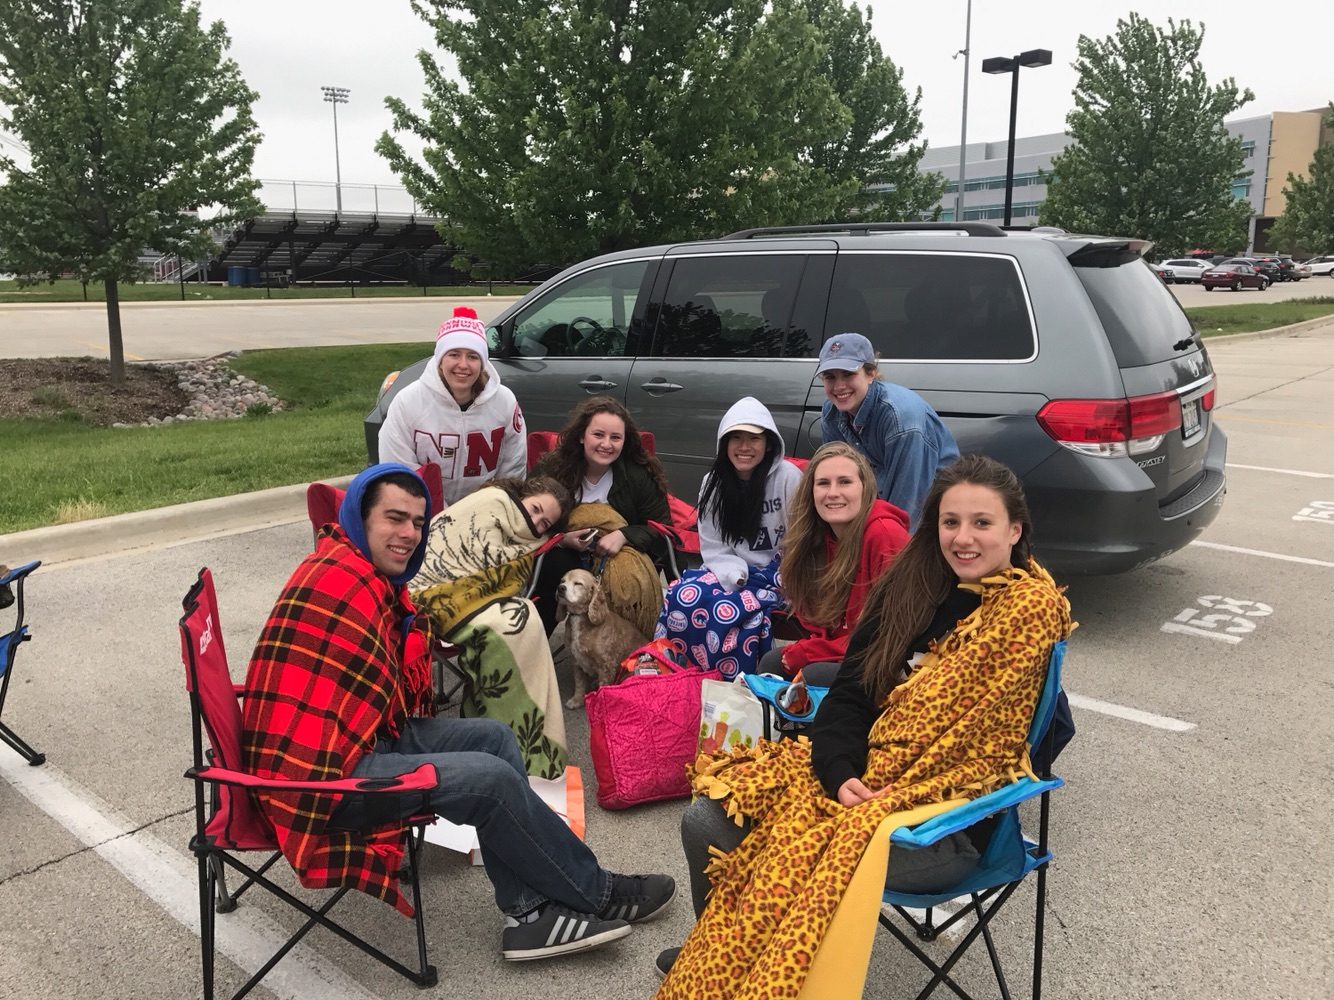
(954, 730)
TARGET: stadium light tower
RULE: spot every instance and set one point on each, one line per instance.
(336, 96)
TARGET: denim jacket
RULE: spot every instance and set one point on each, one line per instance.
(903, 438)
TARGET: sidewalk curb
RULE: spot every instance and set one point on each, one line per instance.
(123, 533)
(1278, 331)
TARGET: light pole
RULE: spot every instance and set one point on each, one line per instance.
(336, 96)
(1000, 64)
(963, 129)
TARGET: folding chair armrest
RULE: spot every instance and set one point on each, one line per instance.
(963, 816)
(17, 573)
(423, 779)
(666, 531)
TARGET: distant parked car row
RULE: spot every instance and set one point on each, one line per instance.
(1274, 267)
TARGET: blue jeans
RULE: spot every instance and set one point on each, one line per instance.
(529, 853)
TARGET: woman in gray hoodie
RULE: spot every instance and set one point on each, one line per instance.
(718, 615)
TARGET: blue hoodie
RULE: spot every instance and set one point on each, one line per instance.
(350, 520)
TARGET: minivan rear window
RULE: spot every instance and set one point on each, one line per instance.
(1142, 318)
(928, 306)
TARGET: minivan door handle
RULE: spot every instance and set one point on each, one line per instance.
(660, 387)
(596, 383)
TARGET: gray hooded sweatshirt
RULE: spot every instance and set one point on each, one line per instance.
(732, 563)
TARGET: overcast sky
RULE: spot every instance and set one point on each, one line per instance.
(287, 49)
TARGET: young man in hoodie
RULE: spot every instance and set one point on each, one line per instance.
(457, 414)
(891, 425)
(335, 684)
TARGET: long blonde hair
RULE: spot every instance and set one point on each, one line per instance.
(817, 588)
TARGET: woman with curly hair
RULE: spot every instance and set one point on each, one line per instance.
(619, 487)
(840, 537)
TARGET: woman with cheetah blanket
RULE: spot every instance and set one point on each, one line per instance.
(945, 722)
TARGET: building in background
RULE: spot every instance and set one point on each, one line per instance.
(1274, 145)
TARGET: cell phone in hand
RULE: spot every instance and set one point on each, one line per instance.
(589, 536)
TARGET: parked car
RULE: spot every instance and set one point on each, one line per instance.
(1301, 269)
(1164, 275)
(1060, 355)
(1233, 276)
(1186, 268)
(1268, 268)
(1322, 265)
(1286, 270)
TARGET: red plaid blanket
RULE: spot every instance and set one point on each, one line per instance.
(332, 670)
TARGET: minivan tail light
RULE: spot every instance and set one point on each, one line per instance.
(1207, 400)
(1111, 427)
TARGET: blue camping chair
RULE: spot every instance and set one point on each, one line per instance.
(11, 585)
(1007, 861)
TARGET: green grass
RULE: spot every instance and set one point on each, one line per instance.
(1214, 321)
(72, 291)
(74, 467)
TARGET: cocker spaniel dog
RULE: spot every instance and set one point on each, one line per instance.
(596, 636)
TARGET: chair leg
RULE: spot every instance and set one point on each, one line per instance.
(1038, 926)
(991, 949)
(225, 901)
(206, 888)
(427, 973)
(12, 738)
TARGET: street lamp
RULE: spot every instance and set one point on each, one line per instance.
(1000, 64)
(966, 51)
(336, 96)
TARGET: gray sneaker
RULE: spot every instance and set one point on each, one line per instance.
(558, 931)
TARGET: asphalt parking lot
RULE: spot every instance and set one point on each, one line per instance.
(1193, 857)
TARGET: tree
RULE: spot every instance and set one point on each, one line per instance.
(877, 149)
(135, 120)
(1150, 156)
(581, 128)
(1307, 223)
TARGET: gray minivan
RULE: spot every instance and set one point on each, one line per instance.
(1061, 355)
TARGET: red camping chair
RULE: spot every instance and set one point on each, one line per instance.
(680, 535)
(11, 591)
(231, 822)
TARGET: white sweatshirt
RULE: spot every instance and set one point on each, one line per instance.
(473, 446)
(730, 562)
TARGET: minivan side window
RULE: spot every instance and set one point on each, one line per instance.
(728, 306)
(916, 306)
(586, 316)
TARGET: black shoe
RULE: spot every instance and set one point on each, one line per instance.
(558, 931)
(666, 959)
(636, 898)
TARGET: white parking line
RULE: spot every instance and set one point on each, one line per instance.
(1267, 555)
(1286, 472)
(170, 879)
(1130, 714)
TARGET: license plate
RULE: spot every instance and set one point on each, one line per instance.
(1190, 418)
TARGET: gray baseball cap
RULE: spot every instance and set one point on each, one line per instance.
(845, 352)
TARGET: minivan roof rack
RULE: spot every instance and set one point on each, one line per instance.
(870, 228)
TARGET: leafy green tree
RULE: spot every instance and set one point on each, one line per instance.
(877, 151)
(1307, 223)
(135, 119)
(1150, 156)
(581, 128)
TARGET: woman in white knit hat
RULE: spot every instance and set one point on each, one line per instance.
(457, 414)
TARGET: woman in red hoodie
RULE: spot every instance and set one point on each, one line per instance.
(840, 538)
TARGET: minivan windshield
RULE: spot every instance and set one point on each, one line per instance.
(1142, 318)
